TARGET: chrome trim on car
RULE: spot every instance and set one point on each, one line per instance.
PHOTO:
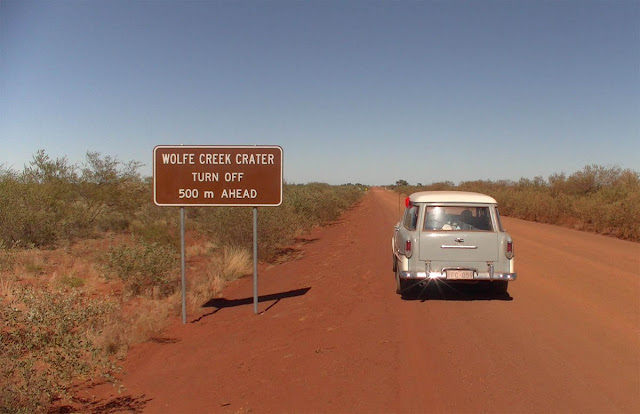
(477, 276)
(448, 246)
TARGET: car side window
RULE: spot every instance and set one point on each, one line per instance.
(410, 221)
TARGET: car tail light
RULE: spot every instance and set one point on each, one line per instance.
(407, 248)
(407, 202)
(509, 250)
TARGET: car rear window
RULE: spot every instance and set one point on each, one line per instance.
(458, 218)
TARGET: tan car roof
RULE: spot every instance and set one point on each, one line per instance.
(451, 197)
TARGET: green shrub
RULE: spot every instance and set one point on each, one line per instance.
(596, 198)
(52, 200)
(303, 207)
(31, 214)
(110, 192)
(144, 267)
(46, 342)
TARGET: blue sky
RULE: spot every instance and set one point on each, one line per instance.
(354, 91)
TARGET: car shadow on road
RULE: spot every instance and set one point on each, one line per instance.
(222, 303)
(454, 292)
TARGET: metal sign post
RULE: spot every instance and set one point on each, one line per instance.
(184, 279)
(218, 175)
(255, 260)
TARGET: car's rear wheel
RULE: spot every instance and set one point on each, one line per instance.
(404, 287)
(408, 288)
(399, 284)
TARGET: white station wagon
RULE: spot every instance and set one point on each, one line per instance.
(452, 236)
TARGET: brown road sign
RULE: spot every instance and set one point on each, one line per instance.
(217, 175)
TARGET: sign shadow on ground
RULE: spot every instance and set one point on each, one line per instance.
(222, 303)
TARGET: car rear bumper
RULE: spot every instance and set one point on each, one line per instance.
(443, 275)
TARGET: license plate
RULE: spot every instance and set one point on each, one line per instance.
(460, 274)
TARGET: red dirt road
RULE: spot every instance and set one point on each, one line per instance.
(334, 337)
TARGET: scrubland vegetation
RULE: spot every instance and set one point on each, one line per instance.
(596, 198)
(89, 265)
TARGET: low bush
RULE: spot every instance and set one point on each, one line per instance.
(303, 207)
(46, 345)
(52, 200)
(596, 198)
(144, 267)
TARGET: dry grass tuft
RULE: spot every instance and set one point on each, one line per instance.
(220, 267)
(7, 260)
(6, 288)
(200, 249)
(236, 262)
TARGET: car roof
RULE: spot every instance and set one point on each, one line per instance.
(451, 197)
